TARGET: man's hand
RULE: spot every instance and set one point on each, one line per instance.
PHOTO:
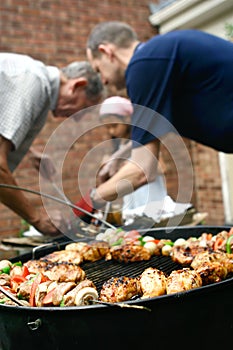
(47, 227)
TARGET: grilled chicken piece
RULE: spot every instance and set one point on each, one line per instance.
(69, 298)
(212, 266)
(211, 273)
(41, 292)
(64, 272)
(96, 251)
(130, 253)
(209, 257)
(35, 266)
(76, 246)
(118, 289)
(182, 280)
(93, 251)
(67, 256)
(153, 282)
(185, 253)
(24, 289)
(60, 272)
(4, 279)
(60, 291)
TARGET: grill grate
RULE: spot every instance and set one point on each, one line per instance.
(100, 271)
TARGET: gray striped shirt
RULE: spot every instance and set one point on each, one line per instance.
(28, 90)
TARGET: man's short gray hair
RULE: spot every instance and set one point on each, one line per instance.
(115, 32)
(94, 88)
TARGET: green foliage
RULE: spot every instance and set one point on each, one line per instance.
(229, 31)
(24, 227)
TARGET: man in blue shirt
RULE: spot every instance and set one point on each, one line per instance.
(183, 79)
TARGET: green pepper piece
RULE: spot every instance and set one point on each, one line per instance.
(5, 270)
(4, 300)
(62, 304)
(18, 263)
(228, 244)
(118, 242)
(169, 243)
(141, 241)
(119, 229)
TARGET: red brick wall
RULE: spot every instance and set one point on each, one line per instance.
(55, 32)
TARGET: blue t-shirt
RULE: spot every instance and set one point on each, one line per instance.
(185, 76)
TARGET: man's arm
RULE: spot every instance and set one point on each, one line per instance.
(16, 201)
(114, 162)
(139, 170)
(43, 163)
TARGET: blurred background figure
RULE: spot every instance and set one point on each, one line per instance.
(115, 114)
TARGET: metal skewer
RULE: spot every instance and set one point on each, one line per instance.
(121, 305)
(11, 296)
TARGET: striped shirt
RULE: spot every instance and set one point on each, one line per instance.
(28, 91)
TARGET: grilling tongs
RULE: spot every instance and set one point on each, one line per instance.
(59, 200)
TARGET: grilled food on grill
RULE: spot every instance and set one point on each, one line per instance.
(182, 280)
(74, 297)
(209, 257)
(152, 282)
(64, 256)
(58, 280)
(130, 253)
(60, 272)
(85, 295)
(184, 253)
(92, 251)
(213, 266)
(118, 289)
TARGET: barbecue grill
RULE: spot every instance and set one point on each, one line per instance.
(199, 318)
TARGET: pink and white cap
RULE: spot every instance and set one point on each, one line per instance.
(116, 105)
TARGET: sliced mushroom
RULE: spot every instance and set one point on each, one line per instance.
(85, 295)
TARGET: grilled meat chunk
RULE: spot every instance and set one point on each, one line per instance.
(60, 272)
(36, 266)
(130, 253)
(212, 266)
(96, 251)
(66, 256)
(182, 280)
(24, 290)
(152, 282)
(210, 257)
(60, 291)
(41, 292)
(118, 289)
(93, 251)
(185, 253)
(64, 272)
(211, 273)
(4, 279)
